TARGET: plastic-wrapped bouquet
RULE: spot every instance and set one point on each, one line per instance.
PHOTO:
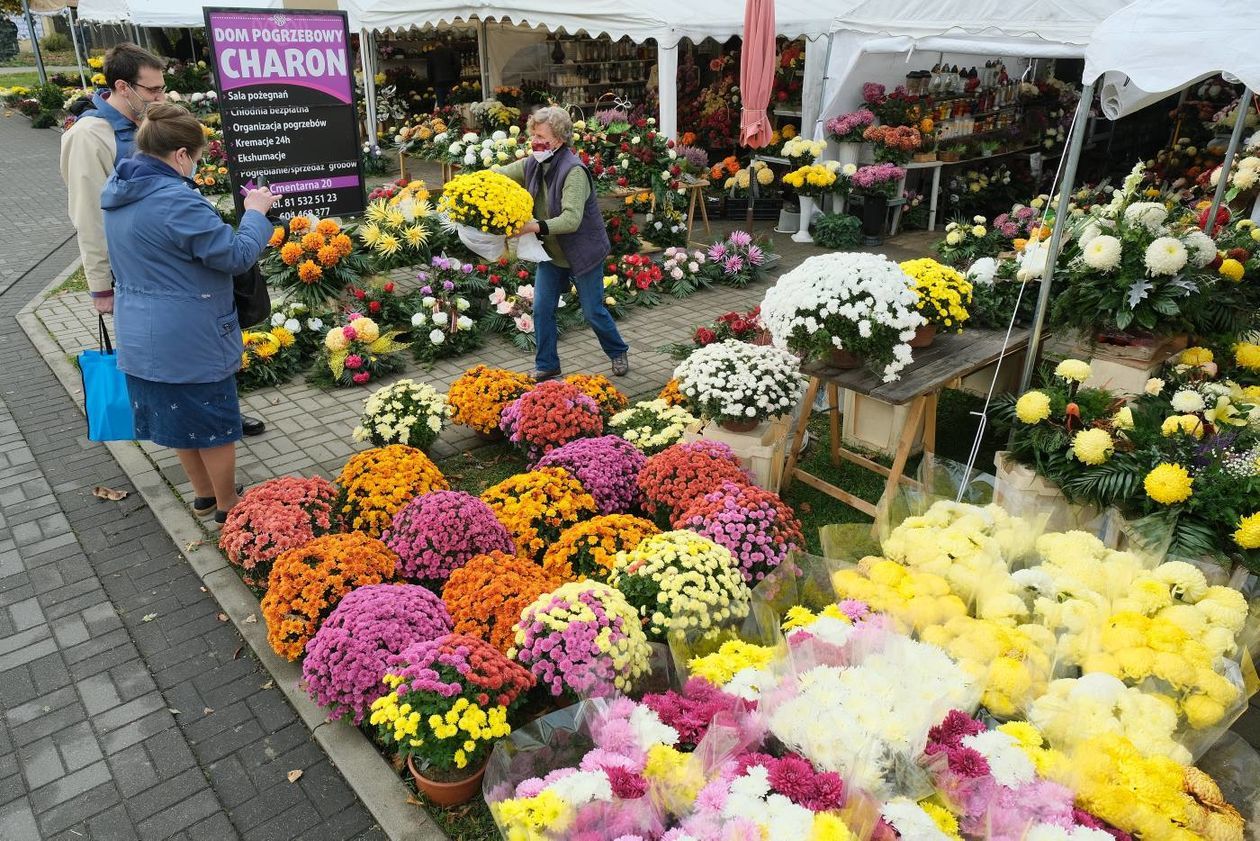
(487, 207)
(438, 532)
(486, 595)
(674, 478)
(681, 271)
(376, 484)
(736, 261)
(448, 703)
(536, 507)
(549, 416)
(584, 638)
(652, 425)
(734, 382)
(589, 549)
(442, 325)
(758, 528)
(403, 412)
(680, 581)
(859, 303)
(307, 583)
(607, 466)
(357, 353)
(273, 517)
(346, 659)
(478, 396)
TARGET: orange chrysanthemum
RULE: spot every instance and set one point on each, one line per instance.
(375, 484)
(477, 398)
(671, 394)
(328, 228)
(277, 237)
(312, 242)
(588, 549)
(329, 255)
(538, 506)
(309, 272)
(343, 244)
(598, 387)
(298, 224)
(485, 596)
(291, 254)
(307, 583)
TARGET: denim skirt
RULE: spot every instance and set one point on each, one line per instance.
(186, 416)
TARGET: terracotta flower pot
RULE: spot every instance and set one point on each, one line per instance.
(738, 425)
(840, 358)
(448, 793)
(924, 336)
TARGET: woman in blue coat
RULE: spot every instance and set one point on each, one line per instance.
(178, 338)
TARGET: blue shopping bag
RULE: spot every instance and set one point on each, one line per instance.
(109, 416)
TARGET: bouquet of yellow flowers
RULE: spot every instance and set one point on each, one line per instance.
(486, 207)
(813, 179)
(399, 231)
(269, 357)
(313, 261)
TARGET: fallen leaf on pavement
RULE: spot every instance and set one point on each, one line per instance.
(207, 711)
(250, 620)
(268, 685)
(188, 547)
(102, 492)
(172, 711)
(223, 617)
(295, 775)
(149, 617)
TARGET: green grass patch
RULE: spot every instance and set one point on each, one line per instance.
(473, 471)
(469, 822)
(76, 282)
(51, 59)
(26, 80)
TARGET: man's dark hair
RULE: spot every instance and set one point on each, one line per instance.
(124, 62)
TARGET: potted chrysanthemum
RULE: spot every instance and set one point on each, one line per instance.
(739, 385)
(944, 295)
(846, 308)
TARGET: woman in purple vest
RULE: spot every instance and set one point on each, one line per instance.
(572, 231)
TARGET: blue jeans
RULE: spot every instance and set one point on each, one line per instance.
(550, 282)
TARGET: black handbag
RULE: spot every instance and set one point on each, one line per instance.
(253, 301)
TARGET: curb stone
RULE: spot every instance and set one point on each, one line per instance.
(374, 782)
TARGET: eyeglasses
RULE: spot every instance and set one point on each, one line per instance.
(153, 89)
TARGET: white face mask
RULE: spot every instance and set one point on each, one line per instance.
(192, 167)
(138, 104)
(543, 155)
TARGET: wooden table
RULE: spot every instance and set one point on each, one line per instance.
(949, 359)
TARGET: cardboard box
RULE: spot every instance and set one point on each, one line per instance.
(762, 451)
(875, 425)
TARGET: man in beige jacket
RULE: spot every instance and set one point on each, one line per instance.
(91, 148)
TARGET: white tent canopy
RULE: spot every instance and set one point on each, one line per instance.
(185, 13)
(1146, 56)
(104, 11)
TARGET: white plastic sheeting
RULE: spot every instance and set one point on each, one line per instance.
(104, 11)
(1146, 50)
(184, 12)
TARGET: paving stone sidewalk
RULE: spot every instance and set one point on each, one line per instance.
(130, 709)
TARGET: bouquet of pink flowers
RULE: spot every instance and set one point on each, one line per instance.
(736, 261)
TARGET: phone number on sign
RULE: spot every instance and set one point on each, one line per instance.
(306, 201)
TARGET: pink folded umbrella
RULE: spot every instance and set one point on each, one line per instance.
(756, 72)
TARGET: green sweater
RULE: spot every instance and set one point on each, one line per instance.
(577, 189)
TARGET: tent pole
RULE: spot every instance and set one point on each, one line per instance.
(822, 93)
(483, 57)
(30, 27)
(1056, 237)
(74, 39)
(667, 88)
(367, 47)
(1235, 140)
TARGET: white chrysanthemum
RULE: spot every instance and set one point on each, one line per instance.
(1153, 386)
(1187, 401)
(982, 271)
(1166, 256)
(293, 326)
(1148, 214)
(1103, 253)
(436, 337)
(1202, 248)
(419, 319)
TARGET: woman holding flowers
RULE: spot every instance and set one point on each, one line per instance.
(179, 338)
(572, 232)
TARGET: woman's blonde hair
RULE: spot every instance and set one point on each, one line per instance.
(168, 127)
(555, 118)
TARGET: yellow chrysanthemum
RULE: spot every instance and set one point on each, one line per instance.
(1247, 354)
(283, 336)
(370, 234)
(376, 211)
(1074, 370)
(388, 244)
(367, 329)
(1187, 424)
(1093, 446)
(1232, 269)
(1248, 534)
(416, 235)
(1033, 407)
(1195, 356)
(1168, 484)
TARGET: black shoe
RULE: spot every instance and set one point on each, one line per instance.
(204, 506)
(543, 376)
(252, 426)
(621, 365)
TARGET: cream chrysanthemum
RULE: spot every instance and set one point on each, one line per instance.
(1166, 256)
(1093, 446)
(1103, 253)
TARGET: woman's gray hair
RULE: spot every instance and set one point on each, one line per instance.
(555, 118)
